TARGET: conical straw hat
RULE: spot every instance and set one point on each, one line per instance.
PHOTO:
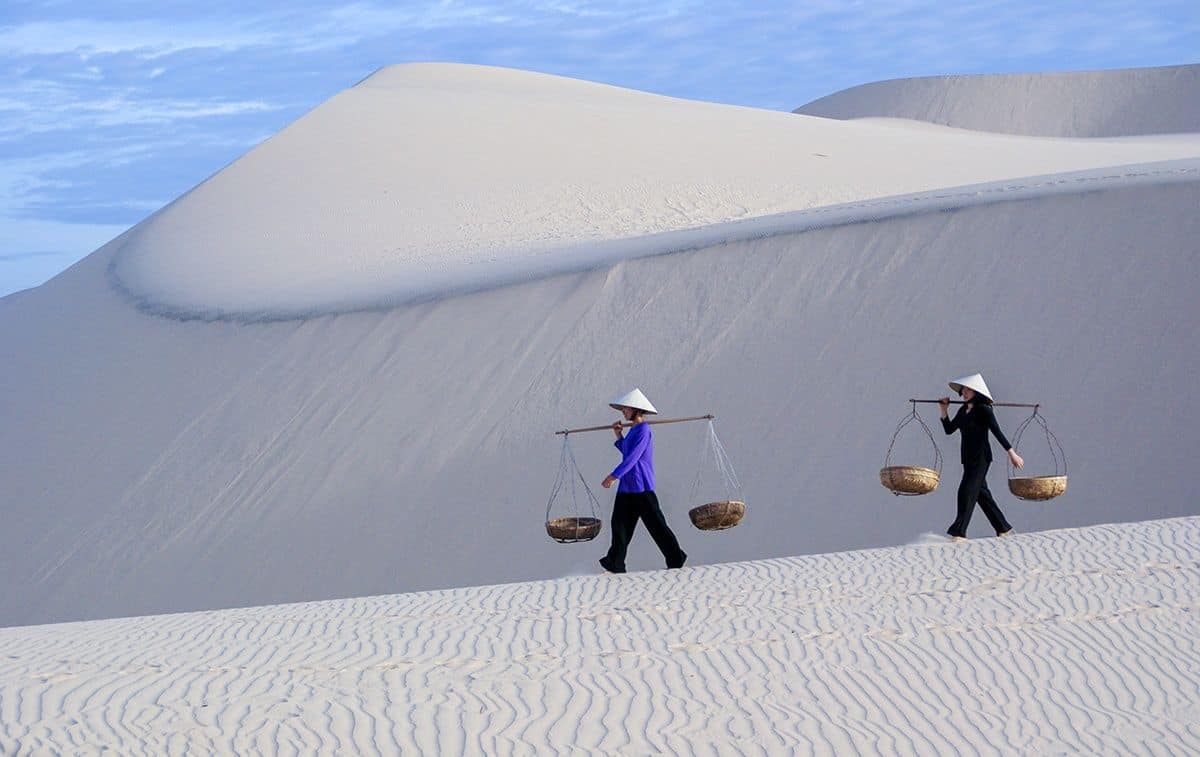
(974, 381)
(635, 400)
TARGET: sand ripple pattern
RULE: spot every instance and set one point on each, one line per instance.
(1078, 641)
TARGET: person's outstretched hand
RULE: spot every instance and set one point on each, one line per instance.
(1017, 460)
(617, 428)
(609, 481)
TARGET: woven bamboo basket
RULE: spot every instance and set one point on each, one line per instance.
(571, 530)
(718, 516)
(1037, 487)
(909, 479)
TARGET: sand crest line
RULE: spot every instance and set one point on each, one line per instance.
(531, 265)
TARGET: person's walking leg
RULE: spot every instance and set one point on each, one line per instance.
(968, 492)
(624, 520)
(664, 537)
(987, 503)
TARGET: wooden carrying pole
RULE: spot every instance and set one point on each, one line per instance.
(994, 404)
(627, 424)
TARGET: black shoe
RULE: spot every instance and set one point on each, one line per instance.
(682, 560)
(604, 563)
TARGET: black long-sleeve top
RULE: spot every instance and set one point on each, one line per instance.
(975, 426)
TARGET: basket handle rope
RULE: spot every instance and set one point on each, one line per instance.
(713, 447)
(568, 470)
(914, 416)
(1056, 450)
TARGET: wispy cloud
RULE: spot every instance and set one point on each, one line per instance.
(39, 105)
(151, 38)
(117, 110)
(15, 256)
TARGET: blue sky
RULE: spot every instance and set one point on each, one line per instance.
(109, 110)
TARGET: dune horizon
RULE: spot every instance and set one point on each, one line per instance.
(439, 179)
(1130, 102)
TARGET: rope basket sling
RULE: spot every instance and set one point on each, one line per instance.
(1039, 488)
(724, 513)
(576, 524)
(911, 480)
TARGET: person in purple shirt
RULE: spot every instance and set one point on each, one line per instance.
(635, 491)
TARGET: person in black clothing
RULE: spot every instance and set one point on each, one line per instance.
(975, 419)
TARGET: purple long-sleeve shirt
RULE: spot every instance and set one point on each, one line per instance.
(636, 470)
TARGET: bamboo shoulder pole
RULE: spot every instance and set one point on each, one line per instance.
(994, 404)
(627, 424)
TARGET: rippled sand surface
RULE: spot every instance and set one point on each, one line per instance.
(1078, 641)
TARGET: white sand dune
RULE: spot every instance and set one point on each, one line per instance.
(1080, 641)
(1112, 103)
(155, 465)
(432, 178)
(152, 464)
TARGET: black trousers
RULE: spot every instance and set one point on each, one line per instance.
(627, 509)
(974, 489)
